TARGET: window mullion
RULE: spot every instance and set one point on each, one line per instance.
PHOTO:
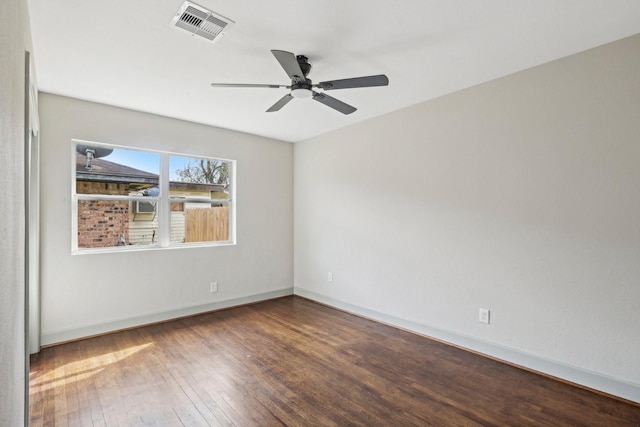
(164, 220)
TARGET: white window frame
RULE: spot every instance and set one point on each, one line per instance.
(163, 202)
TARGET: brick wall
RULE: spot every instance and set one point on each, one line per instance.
(92, 187)
(101, 223)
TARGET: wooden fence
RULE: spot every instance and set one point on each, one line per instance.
(206, 224)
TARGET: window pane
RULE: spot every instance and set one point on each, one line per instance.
(203, 215)
(199, 222)
(115, 171)
(200, 178)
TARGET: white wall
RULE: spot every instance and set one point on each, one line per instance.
(14, 40)
(521, 195)
(85, 294)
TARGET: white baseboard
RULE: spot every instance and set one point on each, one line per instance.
(49, 338)
(590, 379)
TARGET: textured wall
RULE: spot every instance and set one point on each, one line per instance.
(14, 40)
(79, 291)
(519, 195)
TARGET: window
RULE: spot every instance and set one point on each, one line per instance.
(127, 198)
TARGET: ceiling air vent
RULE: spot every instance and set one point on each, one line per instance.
(200, 21)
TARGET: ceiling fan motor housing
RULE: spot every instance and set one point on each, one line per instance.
(303, 61)
(302, 89)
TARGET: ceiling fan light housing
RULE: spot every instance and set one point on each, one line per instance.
(301, 93)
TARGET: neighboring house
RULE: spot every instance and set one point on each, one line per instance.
(107, 223)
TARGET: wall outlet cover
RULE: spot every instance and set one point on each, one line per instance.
(483, 315)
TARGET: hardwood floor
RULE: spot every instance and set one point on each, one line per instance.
(294, 362)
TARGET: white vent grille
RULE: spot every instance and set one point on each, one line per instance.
(201, 22)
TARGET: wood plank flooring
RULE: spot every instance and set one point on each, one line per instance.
(293, 362)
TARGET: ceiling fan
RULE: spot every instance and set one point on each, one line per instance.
(297, 68)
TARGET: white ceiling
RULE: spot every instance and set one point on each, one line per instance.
(124, 53)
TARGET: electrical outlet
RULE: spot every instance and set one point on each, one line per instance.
(330, 277)
(483, 315)
(214, 287)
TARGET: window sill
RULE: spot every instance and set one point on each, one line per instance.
(150, 248)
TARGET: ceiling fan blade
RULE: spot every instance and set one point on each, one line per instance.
(368, 81)
(246, 85)
(333, 103)
(290, 64)
(281, 103)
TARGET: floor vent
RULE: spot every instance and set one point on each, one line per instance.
(201, 22)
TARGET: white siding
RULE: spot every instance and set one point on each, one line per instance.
(143, 229)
